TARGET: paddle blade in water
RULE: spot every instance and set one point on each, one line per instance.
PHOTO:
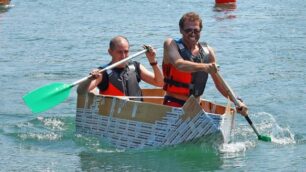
(264, 138)
(47, 96)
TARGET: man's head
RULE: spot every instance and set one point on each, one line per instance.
(119, 49)
(191, 16)
(191, 26)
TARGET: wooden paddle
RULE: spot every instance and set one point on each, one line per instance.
(50, 95)
(233, 97)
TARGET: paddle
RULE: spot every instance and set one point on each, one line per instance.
(233, 97)
(50, 95)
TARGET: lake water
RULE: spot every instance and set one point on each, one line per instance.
(260, 47)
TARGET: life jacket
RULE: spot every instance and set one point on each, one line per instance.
(121, 82)
(186, 83)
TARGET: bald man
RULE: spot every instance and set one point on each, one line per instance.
(123, 80)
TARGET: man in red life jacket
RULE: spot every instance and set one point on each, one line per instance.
(123, 80)
(187, 64)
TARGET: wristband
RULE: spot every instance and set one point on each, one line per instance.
(153, 63)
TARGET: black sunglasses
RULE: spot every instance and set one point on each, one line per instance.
(195, 31)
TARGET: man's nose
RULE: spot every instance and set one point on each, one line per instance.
(124, 55)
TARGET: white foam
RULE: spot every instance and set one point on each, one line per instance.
(40, 136)
(53, 123)
(236, 147)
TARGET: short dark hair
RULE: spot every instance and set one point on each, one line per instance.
(113, 41)
(190, 16)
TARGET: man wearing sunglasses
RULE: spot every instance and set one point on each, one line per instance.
(187, 64)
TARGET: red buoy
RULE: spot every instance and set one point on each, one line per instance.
(225, 5)
(224, 1)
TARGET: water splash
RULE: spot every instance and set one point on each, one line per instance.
(267, 125)
(243, 137)
(236, 147)
(94, 145)
(282, 135)
(52, 123)
(41, 128)
(40, 136)
(278, 134)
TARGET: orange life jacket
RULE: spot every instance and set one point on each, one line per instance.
(186, 83)
(121, 82)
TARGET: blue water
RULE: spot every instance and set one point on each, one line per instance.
(260, 47)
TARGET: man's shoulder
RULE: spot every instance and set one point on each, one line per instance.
(170, 41)
(171, 44)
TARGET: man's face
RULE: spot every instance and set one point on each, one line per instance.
(120, 52)
(191, 31)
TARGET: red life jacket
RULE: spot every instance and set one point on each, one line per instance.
(186, 83)
(121, 82)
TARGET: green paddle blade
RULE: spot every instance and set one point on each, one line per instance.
(264, 138)
(47, 96)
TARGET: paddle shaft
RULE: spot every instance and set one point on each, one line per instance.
(235, 100)
(110, 67)
(51, 95)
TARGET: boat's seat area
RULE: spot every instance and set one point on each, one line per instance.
(155, 95)
(212, 107)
